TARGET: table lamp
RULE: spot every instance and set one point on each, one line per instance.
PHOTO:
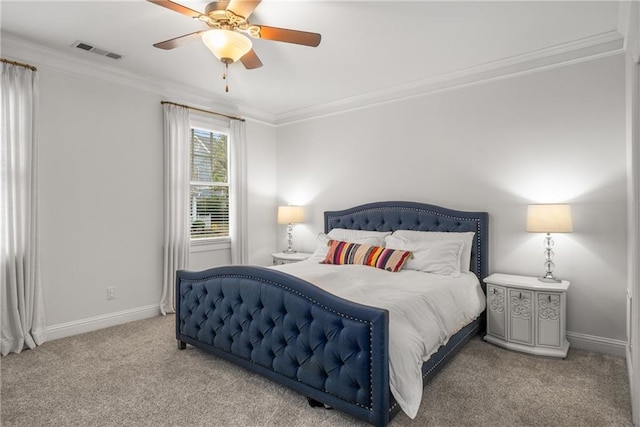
(549, 219)
(290, 215)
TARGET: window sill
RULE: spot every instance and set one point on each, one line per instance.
(215, 244)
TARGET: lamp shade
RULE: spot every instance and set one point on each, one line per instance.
(226, 44)
(290, 214)
(549, 219)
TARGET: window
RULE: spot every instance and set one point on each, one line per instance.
(209, 198)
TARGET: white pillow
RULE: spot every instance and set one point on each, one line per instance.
(322, 249)
(429, 236)
(438, 256)
(363, 237)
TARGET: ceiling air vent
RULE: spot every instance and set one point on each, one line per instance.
(90, 48)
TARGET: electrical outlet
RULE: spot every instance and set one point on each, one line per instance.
(111, 292)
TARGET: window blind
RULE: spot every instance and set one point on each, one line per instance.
(209, 197)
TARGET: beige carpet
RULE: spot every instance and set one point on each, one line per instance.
(133, 375)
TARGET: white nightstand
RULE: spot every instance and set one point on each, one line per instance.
(527, 315)
(280, 258)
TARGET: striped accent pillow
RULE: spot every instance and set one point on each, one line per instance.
(373, 256)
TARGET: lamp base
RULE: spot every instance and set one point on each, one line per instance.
(548, 264)
(289, 237)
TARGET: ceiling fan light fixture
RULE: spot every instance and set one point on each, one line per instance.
(226, 44)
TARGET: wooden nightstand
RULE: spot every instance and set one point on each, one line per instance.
(280, 258)
(527, 315)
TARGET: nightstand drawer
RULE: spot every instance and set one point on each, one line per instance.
(280, 261)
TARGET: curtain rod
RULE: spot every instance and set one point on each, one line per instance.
(19, 64)
(203, 111)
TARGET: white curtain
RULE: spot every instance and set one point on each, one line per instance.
(21, 302)
(176, 200)
(238, 197)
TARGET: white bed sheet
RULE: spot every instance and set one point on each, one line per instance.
(425, 310)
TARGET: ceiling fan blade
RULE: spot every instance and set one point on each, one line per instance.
(243, 8)
(289, 36)
(176, 8)
(179, 41)
(250, 60)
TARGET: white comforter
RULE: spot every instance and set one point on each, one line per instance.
(425, 310)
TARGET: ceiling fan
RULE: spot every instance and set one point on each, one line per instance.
(227, 37)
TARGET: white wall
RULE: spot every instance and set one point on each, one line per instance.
(100, 172)
(556, 135)
(261, 176)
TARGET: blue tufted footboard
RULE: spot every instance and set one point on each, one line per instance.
(286, 329)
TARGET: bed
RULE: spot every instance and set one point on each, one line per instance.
(327, 348)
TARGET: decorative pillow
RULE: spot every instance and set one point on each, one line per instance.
(364, 237)
(374, 256)
(438, 257)
(465, 237)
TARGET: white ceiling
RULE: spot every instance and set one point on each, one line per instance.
(367, 46)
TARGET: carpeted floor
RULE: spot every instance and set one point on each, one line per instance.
(133, 375)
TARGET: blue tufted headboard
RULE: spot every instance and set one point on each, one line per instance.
(392, 216)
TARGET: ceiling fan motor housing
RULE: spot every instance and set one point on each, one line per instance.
(218, 16)
(216, 5)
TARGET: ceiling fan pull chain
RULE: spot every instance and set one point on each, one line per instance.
(225, 76)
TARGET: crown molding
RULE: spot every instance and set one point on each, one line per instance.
(589, 48)
(42, 57)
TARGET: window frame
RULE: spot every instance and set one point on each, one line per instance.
(210, 124)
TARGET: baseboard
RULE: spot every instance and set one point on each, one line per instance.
(597, 344)
(81, 326)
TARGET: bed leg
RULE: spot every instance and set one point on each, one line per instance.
(315, 404)
(182, 345)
